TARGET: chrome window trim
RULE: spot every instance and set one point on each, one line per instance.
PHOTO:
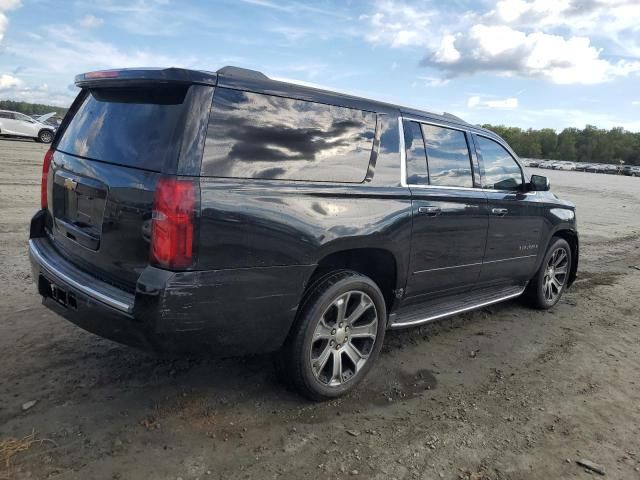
(467, 132)
(403, 156)
(510, 152)
(436, 124)
(502, 144)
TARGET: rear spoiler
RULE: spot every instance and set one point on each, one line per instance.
(145, 75)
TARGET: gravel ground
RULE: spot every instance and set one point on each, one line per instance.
(501, 393)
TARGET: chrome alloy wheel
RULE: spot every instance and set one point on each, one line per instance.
(46, 137)
(343, 338)
(555, 274)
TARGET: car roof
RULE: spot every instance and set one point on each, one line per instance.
(258, 82)
(253, 80)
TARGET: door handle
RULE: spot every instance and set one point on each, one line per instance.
(430, 211)
(500, 212)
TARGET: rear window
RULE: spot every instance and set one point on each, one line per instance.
(130, 126)
(253, 135)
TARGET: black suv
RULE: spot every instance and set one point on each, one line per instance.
(229, 211)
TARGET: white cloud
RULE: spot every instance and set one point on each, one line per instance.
(398, 25)
(6, 6)
(15, 88)
(432, 81)
(9, 82)
(508, 51)
(510, 103)
(90, 21)
(613, 20)
(447, 52)
(635, 103)
(562, 41)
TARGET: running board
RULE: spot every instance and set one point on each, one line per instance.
(417, 315)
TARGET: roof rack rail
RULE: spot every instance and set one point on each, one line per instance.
(242, 72)
(453, 117)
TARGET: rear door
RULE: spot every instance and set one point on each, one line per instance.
(450, 217)
(106, 164)
(8, 123)
(515, 220)
(25, 126)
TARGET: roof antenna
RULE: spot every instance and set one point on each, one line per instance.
(229, 71)
(454, 117)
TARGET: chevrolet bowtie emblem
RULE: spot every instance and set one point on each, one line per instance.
(70, 184)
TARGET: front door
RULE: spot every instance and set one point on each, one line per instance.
(450, 217)
(515, 220)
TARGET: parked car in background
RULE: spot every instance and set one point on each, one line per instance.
(626, 170)
(15, 124)
(611, 169)
(635, 171)
(228, 211)
(582, 166)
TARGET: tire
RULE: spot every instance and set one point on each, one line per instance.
(549, 282)
(320, 358)
(45, 136)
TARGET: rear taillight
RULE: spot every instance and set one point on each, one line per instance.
(174, 223)
(45, 175)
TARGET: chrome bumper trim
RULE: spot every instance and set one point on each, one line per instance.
(55, 271)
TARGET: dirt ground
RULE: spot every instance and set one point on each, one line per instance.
(501, 393)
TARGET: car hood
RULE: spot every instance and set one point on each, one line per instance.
(552, 198)
(45, 117)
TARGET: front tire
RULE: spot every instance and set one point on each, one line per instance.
(337, 336)
(550, 281)
(45, 136)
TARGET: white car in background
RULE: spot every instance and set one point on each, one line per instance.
(16, 124)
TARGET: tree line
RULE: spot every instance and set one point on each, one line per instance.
(30, 108)
(590, 144)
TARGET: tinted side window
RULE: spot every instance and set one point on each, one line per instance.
(447, 156)
(500, 170)
(252, 135)
(417, 173)
(6, 115)
(23, 118)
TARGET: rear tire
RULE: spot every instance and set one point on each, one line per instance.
(337, 336)
(549, 282)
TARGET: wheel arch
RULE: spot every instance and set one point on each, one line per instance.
(379, 264)
(571, 236)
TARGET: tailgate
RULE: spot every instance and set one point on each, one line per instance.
(107, 161)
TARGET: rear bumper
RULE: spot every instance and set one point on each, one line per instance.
(237, 311)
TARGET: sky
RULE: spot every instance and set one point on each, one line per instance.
(524, 63)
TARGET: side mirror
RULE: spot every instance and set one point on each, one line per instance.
(539, 183)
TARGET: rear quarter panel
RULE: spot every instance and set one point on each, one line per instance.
(263, 223)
